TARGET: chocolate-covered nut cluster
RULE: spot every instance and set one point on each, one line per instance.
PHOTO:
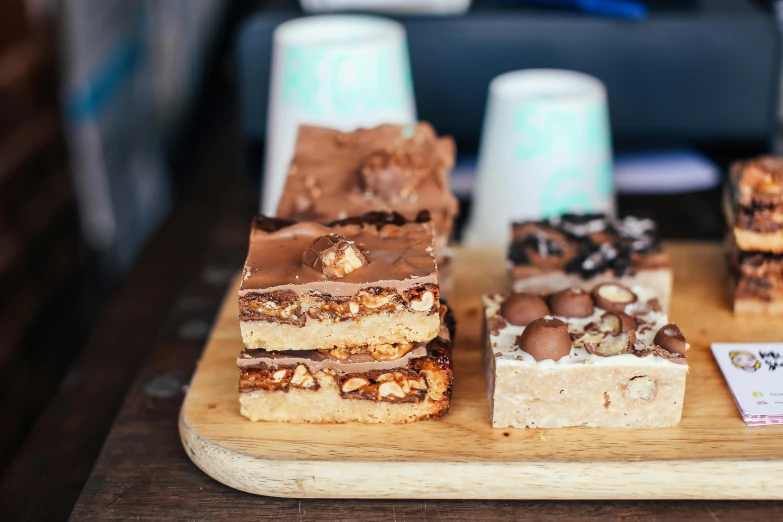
(333, 255)
(609, 320)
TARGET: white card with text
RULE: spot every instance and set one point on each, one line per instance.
(754, 372)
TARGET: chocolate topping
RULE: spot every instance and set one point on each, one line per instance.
(671, 339)
(521, 309)
(399, 255)
(587, 245)
(333, 255)
(337, 174)
(571, 302)
(613, 297)
(545, 339)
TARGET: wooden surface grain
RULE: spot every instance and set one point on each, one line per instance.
(143, 471)
(712, 454)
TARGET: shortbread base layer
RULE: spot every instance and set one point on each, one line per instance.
(528, 396)
(658, 280)
(750, 240)
(327, 405)
(383, 329)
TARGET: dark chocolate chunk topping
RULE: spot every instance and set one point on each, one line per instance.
(602, 244)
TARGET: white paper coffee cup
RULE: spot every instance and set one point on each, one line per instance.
(339, 71)
(545, 150)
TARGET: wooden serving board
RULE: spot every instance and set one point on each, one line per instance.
(712, 454)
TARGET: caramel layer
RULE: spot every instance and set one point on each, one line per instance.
(319, 361)
(289, 308)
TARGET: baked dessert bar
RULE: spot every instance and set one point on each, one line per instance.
(405, 168)
(607, 358)
(755, 204)
(584, 250)
(366, 284)
(757, 283)
(316, 387)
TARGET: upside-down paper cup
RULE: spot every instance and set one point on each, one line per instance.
(339, 71)
(545, 151)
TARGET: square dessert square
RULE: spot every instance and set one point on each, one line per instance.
(405, 168)
(584, 250)
(608, 358)
(755, 204)
(757, 282)
(365, 283)
(316, 387)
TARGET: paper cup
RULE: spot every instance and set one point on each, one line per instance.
(339, 71)
(545, 150)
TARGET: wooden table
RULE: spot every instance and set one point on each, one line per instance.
(107, 446)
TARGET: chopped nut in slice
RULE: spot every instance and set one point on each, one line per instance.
(613, 297)
(425, 303)
(279, 375)
(418, 384)
(333, 255)
(299, 375)
(341, 354)
(391, 389)
(353, 384)
(384, 377)
(397, 351)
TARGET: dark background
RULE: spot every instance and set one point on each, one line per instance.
(703, 75)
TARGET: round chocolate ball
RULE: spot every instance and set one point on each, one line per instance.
(671, 339)
(545, 339)
(522, 309)
(571, 302)
(613, 297)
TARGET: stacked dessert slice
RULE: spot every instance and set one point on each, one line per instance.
(755, 213)
(585, 339)
(343, 322)
(404, 168)
(606, 358)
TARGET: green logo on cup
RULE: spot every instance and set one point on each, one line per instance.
(344, 82)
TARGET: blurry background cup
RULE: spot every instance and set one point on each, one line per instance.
(340, 71)
(545, 150)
